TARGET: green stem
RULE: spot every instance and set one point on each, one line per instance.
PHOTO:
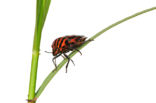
(53, 73)
(42, 7)
(33, 74)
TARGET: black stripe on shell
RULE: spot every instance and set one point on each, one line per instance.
(61, 42)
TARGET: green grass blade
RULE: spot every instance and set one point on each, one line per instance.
(53, 73)
(41, 13)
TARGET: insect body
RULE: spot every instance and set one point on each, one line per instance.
(65, 44)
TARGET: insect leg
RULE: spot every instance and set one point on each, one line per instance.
(78, 51)
(54, 60)
(75, 49)
(68, 61)
(63, 56)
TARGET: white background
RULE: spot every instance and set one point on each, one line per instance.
(117, 67)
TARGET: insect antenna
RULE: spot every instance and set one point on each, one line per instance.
(48, 52)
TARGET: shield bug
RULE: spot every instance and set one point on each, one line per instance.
(62, 45)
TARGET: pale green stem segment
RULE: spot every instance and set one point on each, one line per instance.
(53, 73)
(41, 13)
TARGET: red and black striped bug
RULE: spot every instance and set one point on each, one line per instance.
(64, 44)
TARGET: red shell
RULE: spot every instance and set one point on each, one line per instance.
(67, 43)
